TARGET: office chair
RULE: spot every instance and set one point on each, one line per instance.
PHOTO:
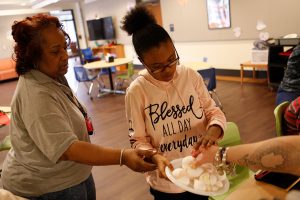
(88, 55)
(232, 137)
(278, 113)
(209, 77)
(82, 76)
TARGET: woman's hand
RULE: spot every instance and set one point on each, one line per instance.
(161, 163)
(205, 155)
(134, 159)
(210, 137)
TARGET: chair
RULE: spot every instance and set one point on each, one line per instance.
(5, 144)
(278, 113)
(82, 76)
(120, 79)
(231, 135)
(88, 55)
(209, 77)
(231, 138)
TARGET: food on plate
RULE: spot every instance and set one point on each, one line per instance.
(181, 175)
(202, 178)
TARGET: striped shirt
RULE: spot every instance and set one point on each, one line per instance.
(292, 117)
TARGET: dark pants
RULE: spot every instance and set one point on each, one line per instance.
(283, 96)
(177, 196)
(83, 191)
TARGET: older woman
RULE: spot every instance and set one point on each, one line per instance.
(51, 155)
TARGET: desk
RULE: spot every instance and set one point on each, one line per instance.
(197, 65)
(251, 189)
(253, 66)
(102, 64)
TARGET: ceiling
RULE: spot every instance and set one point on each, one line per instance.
(24, 7)
(32, 4)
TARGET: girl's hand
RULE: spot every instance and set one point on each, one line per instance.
(210, 138)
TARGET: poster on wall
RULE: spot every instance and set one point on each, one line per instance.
(218, 14)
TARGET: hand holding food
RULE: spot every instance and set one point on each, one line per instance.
(199, 179)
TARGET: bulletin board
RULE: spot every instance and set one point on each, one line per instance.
(189, 20)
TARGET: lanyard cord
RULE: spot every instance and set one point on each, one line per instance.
(64, 84)
(74, 100)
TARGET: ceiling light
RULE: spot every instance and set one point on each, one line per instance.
(89, 1)
(44, 3)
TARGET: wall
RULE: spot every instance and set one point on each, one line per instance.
(220, 54)
(6, 40)
(281, 18)
(226, 54)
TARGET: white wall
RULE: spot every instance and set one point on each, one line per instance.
(221, 54)
(6, 40)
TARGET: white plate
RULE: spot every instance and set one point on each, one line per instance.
(176, 164)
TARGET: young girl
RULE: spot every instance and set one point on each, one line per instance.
(168, 106)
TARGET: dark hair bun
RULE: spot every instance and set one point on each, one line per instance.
(136, 19)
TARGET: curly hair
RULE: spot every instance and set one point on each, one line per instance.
(26, 33)
(146, 33)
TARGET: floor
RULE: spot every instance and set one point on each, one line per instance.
(250, 106)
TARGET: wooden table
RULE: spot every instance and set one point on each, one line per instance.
(103, 64)
(251, 189)
(253, 66)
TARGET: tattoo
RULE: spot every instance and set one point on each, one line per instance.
(273, 156)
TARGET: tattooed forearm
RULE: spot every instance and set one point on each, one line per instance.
(245, 161)
(272, 155)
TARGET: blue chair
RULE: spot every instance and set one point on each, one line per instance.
(82, 76)
(88, 55)
(209, 77)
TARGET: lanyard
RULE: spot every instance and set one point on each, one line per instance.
(74, 100)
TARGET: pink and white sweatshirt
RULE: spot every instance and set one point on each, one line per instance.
(170, 117)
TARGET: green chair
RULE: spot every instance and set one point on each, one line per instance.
(231, 138)
(129, 76)
(5, 144)
(231, 135)
(278, 113)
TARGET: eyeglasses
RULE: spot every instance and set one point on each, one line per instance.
(162, 68)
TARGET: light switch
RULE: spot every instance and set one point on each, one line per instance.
(171, 27)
